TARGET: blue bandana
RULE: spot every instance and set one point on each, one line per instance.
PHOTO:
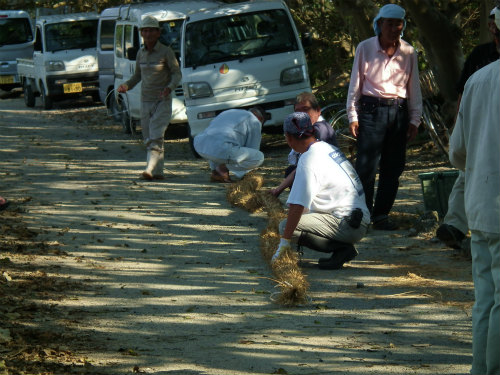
(389, 11)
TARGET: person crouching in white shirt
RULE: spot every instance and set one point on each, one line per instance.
(327, 208)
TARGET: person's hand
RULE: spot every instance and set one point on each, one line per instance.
(122, 88)
(353, 127)
(275, 192)
(411, 133)
(284, 243)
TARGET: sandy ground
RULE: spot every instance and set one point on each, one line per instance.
(114, 275)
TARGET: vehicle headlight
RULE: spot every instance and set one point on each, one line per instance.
(293, 75)
(198, 90)
(53, 66)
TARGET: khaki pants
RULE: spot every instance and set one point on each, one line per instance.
(485, 250)
(155, 117)
(327, 226)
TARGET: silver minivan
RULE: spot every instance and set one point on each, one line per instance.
(106, 59)
(16, 41)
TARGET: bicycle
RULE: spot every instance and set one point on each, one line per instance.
(336, 115)
(431, 119)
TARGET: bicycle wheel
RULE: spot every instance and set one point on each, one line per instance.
(329, 111)
(435, 127)
(347, 143)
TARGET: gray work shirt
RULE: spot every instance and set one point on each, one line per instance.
(157, 69)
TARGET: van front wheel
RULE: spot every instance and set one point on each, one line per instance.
(191, 145)
(47, 102)
(29, 96)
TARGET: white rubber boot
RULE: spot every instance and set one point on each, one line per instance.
(154, 168)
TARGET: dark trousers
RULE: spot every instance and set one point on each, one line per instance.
(381, 144)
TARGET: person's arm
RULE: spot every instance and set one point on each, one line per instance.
(287, 182)
(254, 132)
(414, 95)
(457, 149)
(354, 93)
(295, 212)
(175, 72)
(137, 76)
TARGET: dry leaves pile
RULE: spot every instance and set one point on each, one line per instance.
(32, 326)
(248, 194)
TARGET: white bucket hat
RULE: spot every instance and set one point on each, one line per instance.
(497, 17)
(150, 21)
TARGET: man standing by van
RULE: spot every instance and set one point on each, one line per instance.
(158, 69)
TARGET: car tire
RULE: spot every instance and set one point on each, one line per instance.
(114, 109)
(47, 102)
(191, 145)
(29, 96)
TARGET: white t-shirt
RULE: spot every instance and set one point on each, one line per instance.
(326, 182)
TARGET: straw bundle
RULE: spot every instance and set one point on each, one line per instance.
(288, 276)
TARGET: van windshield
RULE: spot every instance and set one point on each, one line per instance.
(238, 37)
(15, 31)
(71, 35)
(171, 34)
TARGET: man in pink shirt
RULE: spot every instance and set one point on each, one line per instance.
(384, 106)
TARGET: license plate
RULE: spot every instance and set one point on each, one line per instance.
(70, 88)
(6, 79)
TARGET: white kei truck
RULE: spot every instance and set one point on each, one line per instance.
(16, 40)
(238, 56)
(171, 16)
(64, 62)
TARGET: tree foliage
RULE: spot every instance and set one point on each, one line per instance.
(443, 31)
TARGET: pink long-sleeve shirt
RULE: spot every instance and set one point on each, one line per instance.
(376, 74)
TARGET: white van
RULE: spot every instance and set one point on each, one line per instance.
(128, 40)
(240, 55)
(64, 61)
(106, 59)
(16, 40)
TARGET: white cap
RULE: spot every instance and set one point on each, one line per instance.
(497, 17)
(149, 21)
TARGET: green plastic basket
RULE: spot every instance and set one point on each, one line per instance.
(436, 189)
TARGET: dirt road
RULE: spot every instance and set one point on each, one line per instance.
(102, 273)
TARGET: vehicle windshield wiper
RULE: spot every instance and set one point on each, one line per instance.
(270, 51)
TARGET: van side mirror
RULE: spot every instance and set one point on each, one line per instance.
(306, 39)
(132, 53)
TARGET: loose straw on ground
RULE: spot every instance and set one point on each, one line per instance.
(248, 195)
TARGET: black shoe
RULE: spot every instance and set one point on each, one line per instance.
(339, 257)
(450, 235)
(384, 224)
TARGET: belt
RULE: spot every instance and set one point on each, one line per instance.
(383, 101)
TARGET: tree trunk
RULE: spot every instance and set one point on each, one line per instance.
(362, 14)
(484, 33)
(442, 47)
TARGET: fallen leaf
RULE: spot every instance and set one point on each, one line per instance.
(246, 342)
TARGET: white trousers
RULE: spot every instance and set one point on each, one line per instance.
(456, 206)
(485, 250)
(155, 117)
(239, 160)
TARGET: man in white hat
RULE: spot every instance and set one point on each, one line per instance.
(384, 106)
(158, 69)
(474, 149)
